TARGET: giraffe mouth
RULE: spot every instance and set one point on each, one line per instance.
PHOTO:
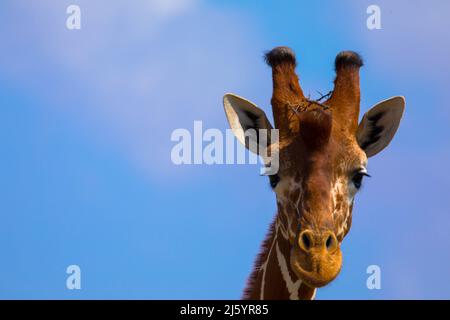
(317, 270)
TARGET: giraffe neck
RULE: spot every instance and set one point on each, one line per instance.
(272, 277)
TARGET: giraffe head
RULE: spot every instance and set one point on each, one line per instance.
(322, 152)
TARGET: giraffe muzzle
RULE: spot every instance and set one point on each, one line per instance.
(317, 259)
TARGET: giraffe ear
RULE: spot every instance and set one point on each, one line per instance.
(246, 120)
(379, 125)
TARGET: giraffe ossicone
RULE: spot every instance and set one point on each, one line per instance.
(322, 151)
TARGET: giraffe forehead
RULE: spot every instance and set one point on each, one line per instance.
(339, 155)
(322, 177)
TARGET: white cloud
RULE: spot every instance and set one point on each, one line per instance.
(170, 7)
(136, 69)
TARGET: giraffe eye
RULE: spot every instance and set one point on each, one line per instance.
(274, 179)
(358, 177)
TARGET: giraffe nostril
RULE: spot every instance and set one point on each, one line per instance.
(331, 242)
(305, 240)
(309, 241)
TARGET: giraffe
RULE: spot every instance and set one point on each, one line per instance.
(323, 153)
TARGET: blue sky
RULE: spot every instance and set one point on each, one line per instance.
(85, 124)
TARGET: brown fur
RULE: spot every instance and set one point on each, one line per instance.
(319, 152)
(253, 286)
